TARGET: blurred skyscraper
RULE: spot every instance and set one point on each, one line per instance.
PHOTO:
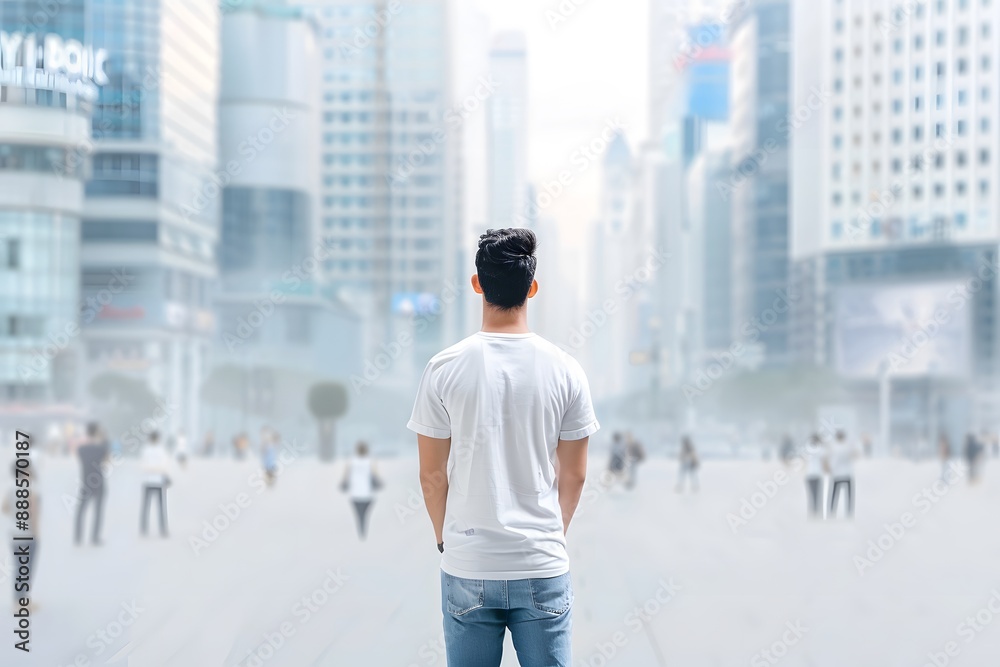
(617, 251)
(45, 110)
(895, 238)
(389, 204)
(671, 45)
(759, 185)
(508, 131)
(152, 203)
(280, 328)
(695, 108)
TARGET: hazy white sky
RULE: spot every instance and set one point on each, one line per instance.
(584, 71)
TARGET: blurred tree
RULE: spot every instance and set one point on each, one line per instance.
(327, 403)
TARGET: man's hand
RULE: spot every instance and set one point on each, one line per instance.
(572, 456)
(434, 479)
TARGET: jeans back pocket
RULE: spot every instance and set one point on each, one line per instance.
(462, 595)
(553, 595)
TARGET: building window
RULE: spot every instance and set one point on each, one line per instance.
(12, 260)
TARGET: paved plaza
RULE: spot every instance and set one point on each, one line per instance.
(732, 575)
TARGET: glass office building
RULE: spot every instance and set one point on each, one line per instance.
(44, 134)
(152, 201)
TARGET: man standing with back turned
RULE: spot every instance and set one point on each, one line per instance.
(502, 421)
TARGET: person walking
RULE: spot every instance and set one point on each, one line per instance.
(93, 454)
(840, 459)
(635, 454)
(944, 453)
(503, 419)
(361, 481)
(156, 467)
(815, 457)
(619, 455)
(688, 460)
(971, 453)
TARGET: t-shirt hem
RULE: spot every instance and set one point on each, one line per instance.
(505, 575)
(429, 431)
(580, 433)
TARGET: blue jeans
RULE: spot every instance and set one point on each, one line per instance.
(538, 612)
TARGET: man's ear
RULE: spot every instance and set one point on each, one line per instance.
(476, 287)
(534, 289)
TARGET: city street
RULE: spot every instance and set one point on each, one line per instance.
(660, 578)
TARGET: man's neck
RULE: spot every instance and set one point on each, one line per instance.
(505, 321)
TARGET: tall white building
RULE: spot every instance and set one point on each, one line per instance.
(904, 101)
(388, 205)
(508, 130)
(895, 231)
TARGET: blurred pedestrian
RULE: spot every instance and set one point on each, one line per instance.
(361, 481)
(269, 458)
(156, 467)
(944, 453)
(181, 448)
(689, 463)
(241, 443)
(815, 460)
(208, 444)
(972, 452)
(619, 455)
(635, 454)
(93, 455)
(840, 464)
(787, 451)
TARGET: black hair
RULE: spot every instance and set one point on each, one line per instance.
(92, 429)
(506, 265)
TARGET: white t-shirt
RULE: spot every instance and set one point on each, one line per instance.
(842, 454)
(505, 400)
(360, 479)
(815, 454)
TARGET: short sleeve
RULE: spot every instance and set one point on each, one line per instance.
(429, 416)
(579, 420)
